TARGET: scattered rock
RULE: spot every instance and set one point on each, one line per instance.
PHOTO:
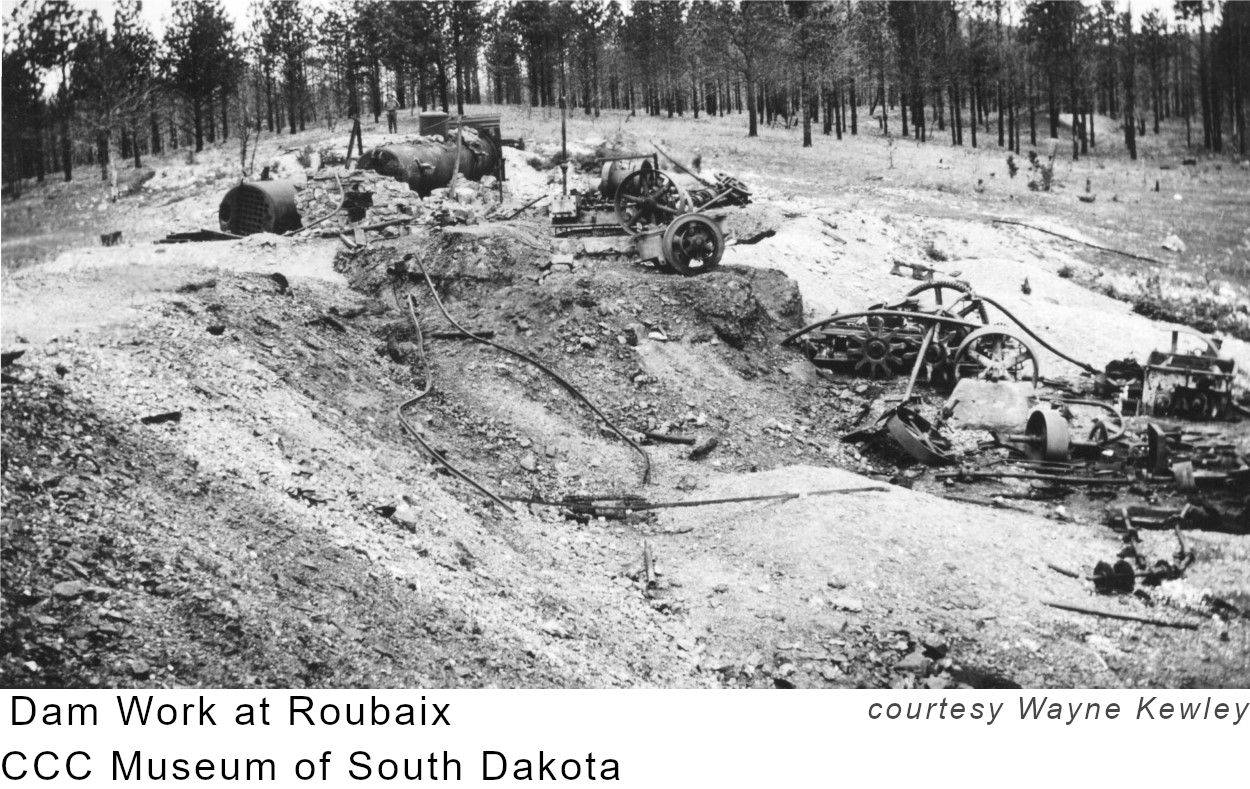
(845, 603)
(70, 590)
(1173, 243)
(914, 662)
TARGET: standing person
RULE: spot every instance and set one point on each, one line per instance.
(392, 114)
(354, 140)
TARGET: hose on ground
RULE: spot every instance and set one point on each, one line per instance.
(1083, 365)
(425, 390)
(563, 382)
(589, 503)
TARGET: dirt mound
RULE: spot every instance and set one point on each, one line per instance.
(496, 252)
(279, 530)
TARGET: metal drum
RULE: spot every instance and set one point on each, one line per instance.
(259, 207)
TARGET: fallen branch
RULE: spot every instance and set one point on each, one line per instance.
(1089, 244)
(1116, 615)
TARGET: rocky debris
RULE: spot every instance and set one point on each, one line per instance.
(261, 556)
(1173, 243)
(996, 405)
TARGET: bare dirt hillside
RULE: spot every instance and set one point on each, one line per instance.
(206, 482)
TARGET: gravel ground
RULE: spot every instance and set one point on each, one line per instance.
(282, 531)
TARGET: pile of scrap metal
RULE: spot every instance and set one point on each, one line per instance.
(670, 223)
(1194, 383)
(940, 331)
(886, 340)
(471, 146)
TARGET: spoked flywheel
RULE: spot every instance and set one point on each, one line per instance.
(649, 198)
(878, 352)
(952, 297)
(994, 353)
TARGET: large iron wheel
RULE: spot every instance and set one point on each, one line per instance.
(878, 351)
(996, 354)
(693, 244)
(951, 297)
(649, 198)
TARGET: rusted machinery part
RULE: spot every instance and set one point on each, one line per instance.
(430, 164)
(726, 182)
(917, 437)
(648, 198)
(1183, 474)
(965, 304)
(614, 171)
(1047, 436)
(995, 353)
(925, 344)
(561, 380)
(1037, 338)
(259, 207)
(683, 168)
(879, 349)
(1212, 346)
(946, 320)
(425, 389)
(693, 244)
(1114, 429)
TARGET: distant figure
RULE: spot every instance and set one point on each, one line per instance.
(697, 162)
(392, 114)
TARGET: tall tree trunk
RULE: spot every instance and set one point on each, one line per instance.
(1204, 96)
(225, 115)
(748, 77)
(156, 133)
(102, 152)
(972, 112)
(197, 113)
(804, 107)
(67, 159)
(1130, 98)
(1032, 112)
(854, 119)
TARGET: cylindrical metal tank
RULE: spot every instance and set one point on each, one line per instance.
(613, 172)
(432, 122)
(429, 164)
(259, 207)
